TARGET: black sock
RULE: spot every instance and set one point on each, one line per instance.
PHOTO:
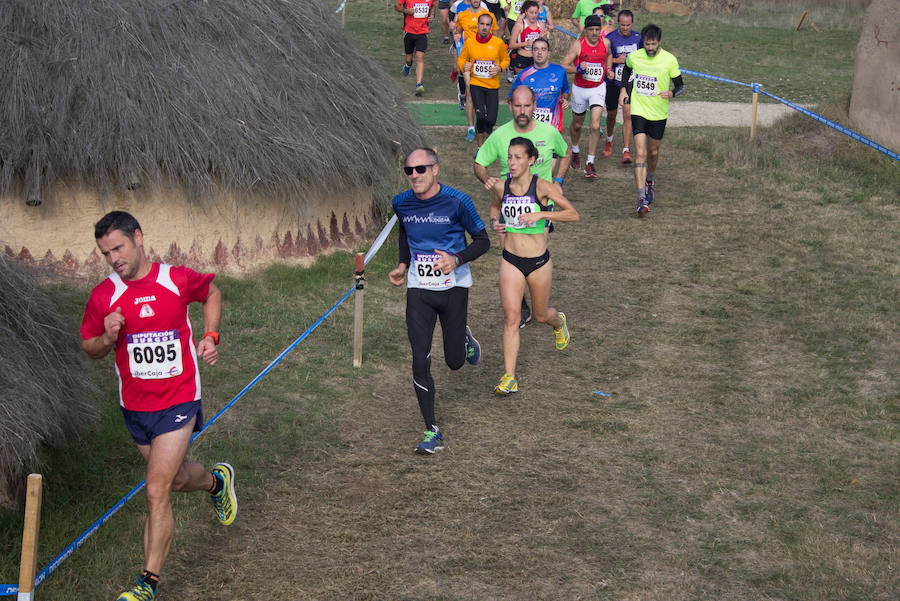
(217, 486)
(151, 579)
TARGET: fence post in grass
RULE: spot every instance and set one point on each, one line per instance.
(756, 87)
(28, 565)
(358, 311)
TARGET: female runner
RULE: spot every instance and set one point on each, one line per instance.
(526, 259)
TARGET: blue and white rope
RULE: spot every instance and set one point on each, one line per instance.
(11, 589)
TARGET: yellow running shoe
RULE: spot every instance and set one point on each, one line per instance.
(142, 591)
(507, 385)
(562, 334)
(225, 501)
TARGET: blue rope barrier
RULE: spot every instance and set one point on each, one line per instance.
(341, 7)
(838, 127)
(757, 88)
(11, 589)
(716, 78)
(565, 31)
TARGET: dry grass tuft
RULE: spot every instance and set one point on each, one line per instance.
(45, 391)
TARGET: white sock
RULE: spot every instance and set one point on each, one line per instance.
(590, 158)
(624, 150)
(609, 139)
(575, 148)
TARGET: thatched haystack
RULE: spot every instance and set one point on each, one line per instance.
(250, 128)
(44, 391)
(564, 8)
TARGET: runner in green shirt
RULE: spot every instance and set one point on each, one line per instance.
(655, 72)
(546, 139)
(583, 10)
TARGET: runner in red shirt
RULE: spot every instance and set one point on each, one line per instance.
(141, 312)
(417, 15)
(589, 59)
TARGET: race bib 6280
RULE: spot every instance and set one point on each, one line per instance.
(429, 276)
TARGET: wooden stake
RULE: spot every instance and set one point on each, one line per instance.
(358, 311)
(755, 110)
(28, 565)
(800, 22)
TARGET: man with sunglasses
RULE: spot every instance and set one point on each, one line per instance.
(433, 221)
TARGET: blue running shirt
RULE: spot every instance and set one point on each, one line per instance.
(440, 222)
(548, 84)
(620, 45)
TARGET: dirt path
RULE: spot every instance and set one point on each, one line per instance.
(685, 113)
(729, 114)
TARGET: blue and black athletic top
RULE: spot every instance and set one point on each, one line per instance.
(441, 223)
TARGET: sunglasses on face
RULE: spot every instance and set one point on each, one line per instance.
(418, 168)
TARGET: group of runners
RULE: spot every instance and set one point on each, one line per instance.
(140, 312)
(613, 68)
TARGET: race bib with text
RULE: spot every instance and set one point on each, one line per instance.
(154, 355)
(515, 206)
(645, 85)
(429, 276)
(482, 69)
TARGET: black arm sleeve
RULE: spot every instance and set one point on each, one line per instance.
(479, 245)
(626, 79)
(403, 253)
(679, 86)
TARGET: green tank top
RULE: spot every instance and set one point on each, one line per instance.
(512, 206)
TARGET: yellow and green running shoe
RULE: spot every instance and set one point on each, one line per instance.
(507, 385)
(562, 334)
(224, 501)
(142, 591)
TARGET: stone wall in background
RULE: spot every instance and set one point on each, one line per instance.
(875, 103)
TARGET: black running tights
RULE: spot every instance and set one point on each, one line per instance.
(423, 308)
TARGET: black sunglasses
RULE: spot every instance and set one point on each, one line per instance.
(418, 168)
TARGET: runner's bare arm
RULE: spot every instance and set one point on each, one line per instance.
(99, 346)
(568, 61)
(564, 209)
(212, 318)
(483, 176)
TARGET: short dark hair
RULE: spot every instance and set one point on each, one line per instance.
(651, 32)
(526, 5)
(489, 15)
(530, 149)
(431, 153)
(536, 40)
(625, 13)
(117, 220)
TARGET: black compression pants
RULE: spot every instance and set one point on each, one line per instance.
(486, 103)
(423, 308)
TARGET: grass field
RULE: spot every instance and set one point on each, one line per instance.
(805, 66)
(746, 332)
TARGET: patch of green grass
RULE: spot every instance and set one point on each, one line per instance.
(746, 331)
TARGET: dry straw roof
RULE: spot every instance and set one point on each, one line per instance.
(261, 96)
(45, 392)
